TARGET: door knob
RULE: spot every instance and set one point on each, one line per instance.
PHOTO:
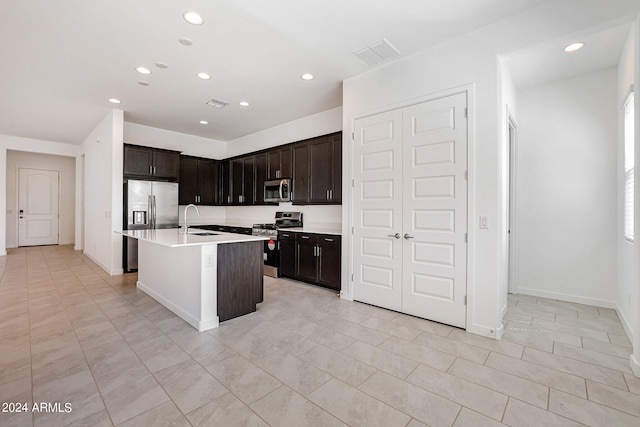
(397, 235)
(406, 236)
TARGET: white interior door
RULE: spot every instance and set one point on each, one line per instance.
(37, 207)
(435, 210)
(377, 210)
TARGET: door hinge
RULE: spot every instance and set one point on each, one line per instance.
(352, 182)
(353, 136)
(465, 300)
(466, 112)
(352, 277)
(352, 230)
(466, 237)
(466, 175)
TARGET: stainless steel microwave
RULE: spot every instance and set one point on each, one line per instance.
(277, 190)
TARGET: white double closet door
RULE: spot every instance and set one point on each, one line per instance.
(410, 210)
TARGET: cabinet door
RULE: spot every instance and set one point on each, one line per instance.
(188, 188)
(166, 164)
(260, 169)
(137, 160)
(237, 176)
(248, 180)
(286, 163)
(273, 164)
(287, 254)
(321, 170)
(207, 182)
(307, 260)
(329, 261)
(301, 174)
(336, 195)
(225, 183)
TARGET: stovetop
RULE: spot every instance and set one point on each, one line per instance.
(282, 220)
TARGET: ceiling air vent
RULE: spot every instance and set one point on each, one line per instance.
(216, 103)
(377, 52)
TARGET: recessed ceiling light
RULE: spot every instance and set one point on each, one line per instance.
(143, 70)
(185, 41)
(162, 65)
(307, 76)
(203, 76)
(204, 122)
(243, 103)
(573, 47)
(114, 100)
(193, 18)
(143, 83)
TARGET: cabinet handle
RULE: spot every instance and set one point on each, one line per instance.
(304, 237)
(319, 250)
(154, 170)
(327, 194)
(331, 194)
(150, 170)
(328, 240)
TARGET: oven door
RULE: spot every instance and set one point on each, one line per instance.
(271, 257)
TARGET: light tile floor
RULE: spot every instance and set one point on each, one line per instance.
(69, 333)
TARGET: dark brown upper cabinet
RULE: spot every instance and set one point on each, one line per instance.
(279, 163)
(317, 170)
(151, 163)
(198, 181)
(242, 181)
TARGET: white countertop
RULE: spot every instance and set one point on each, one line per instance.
(174, 237)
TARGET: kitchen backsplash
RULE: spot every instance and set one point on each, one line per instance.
(313, 214)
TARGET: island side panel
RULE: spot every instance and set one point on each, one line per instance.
(240, 279)
(172, 276)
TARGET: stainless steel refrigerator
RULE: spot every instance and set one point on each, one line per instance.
(148, 205)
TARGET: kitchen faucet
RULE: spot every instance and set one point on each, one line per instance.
(185, 215)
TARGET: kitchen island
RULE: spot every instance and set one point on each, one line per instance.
(203, 277)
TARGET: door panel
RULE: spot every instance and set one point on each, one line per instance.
(38, 207)
(435, 210)
(377, 207)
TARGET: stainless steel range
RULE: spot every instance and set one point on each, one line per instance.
(271, 249)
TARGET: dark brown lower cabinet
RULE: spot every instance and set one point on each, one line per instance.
(240, 279)
(312, 258)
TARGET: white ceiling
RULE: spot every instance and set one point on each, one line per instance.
(62, 60)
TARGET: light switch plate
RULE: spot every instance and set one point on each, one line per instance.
(484, 222)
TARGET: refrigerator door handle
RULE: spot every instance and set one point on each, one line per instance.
(155, 219)
(150, 210)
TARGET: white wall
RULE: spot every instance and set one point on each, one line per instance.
(470, 60)
(627, 277)
(66, 168)
(297, 130)
(103, 150)
(508, 95)
(566, 212)
(187, 144)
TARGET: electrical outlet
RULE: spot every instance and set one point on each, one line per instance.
(209, 260)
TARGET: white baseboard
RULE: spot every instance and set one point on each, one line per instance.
(635, 365)
(626, 325)
(3, 253)
(485, 331)
(568, 297)
(101, 265)
(200, 325)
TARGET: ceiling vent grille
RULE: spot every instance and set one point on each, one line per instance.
(216, 103)
(377, 52)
